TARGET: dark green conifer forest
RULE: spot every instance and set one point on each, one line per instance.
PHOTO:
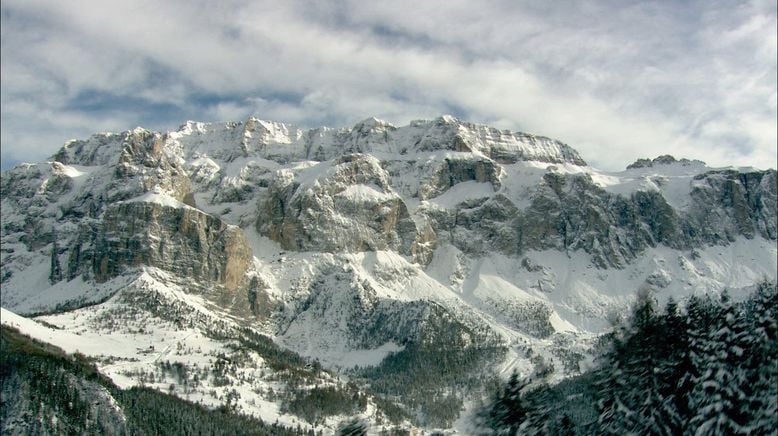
(707, 368)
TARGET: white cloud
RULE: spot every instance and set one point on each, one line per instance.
(616, 80)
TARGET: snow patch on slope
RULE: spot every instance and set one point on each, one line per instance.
(159, 198)
(462, 192)
(364, 194)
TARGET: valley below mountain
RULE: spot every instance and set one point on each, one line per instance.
(380, 277)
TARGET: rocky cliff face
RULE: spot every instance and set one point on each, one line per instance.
(350, 206)
(730, 203)
(173, 237)
(138, 160)
(570, 212)
(111, 204)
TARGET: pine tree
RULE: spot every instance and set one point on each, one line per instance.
(565, 426)
(709, 370)
(643, 379)
(509, 410)
(630, 395)
(541, 414)
(761, 362)
(673, 369)
(701, 315)
(354, 427)
(719, 387)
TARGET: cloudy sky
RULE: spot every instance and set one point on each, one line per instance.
(616, 79)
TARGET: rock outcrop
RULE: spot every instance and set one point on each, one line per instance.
(665, 159)
(457, 169)
(350, 206)
(175, 238)
(730, 203)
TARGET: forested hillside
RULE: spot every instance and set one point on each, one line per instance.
(45, 391)
(707, 366)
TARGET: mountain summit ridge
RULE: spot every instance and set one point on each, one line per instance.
(259, 138)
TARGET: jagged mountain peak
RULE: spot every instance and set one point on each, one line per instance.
(373, 123)
(664, 160)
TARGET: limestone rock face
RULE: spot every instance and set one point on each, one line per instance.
(730, 203)
(570, 212)
(29, 190)
(348, 207)
(181, 240)
(489, 225)
(138, 161)
(458, 169)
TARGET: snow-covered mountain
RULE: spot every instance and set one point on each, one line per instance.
(365, 254)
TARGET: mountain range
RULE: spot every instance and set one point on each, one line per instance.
(306, 277)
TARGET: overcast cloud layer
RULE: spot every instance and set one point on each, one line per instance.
(616, 80)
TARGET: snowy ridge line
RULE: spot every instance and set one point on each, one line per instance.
(274, 141)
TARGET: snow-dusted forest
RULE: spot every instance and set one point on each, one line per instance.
(707, 366)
